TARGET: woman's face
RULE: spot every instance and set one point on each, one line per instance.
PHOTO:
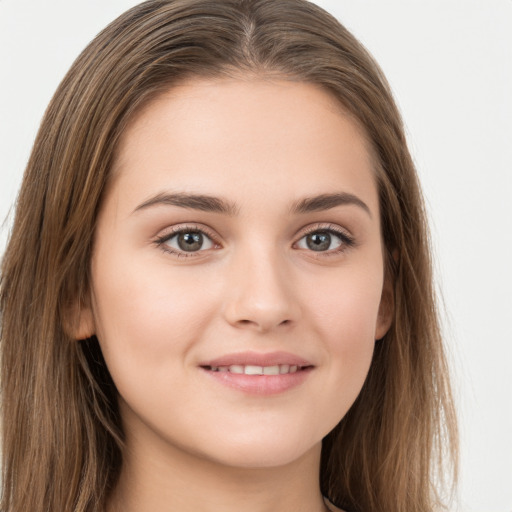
(237, 271)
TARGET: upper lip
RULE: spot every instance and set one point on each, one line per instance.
(257, 359)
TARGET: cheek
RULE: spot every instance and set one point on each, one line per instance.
(145, 314)
(345, 316)
(347, 303)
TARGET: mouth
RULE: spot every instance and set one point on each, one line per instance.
(249, 369)
(259, 373)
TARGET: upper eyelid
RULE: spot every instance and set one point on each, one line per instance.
(171, 231)
(321, 226)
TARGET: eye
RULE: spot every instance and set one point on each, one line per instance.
(186, 240)
(324, 240)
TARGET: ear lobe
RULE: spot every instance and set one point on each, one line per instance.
(79, 322)
(386, 310)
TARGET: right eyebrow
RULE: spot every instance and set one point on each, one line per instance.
(327, 201)
(200, 202)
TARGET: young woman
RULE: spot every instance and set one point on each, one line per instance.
(217, 293)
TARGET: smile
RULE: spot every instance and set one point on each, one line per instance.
(257, 370)
(259, 373)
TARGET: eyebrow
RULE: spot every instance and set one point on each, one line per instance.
(328, 201)
(191, 201)
(214, 204)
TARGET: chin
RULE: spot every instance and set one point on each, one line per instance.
(264, 450)
(261, 457)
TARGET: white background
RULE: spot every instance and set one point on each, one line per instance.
(450, 65)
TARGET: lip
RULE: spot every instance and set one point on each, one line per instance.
(257, 359)
(262, 385)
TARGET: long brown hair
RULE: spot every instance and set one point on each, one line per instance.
(62, 439)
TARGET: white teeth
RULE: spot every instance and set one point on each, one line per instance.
(253, 370)
(271, 370)
(257, 370)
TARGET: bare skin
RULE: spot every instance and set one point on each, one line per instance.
(240, 234)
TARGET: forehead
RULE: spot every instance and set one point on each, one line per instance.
(227, 135)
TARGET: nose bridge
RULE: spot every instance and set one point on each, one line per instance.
(260, 289)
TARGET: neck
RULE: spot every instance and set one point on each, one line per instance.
(170, 479)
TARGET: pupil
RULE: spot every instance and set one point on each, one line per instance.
(190, 241)
(319, 241)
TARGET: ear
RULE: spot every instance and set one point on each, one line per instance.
(386, 309)
(79, 321)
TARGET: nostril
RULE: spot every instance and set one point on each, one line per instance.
(244, 322)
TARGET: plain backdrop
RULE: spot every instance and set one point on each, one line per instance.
(450, 66)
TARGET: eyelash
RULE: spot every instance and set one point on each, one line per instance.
(162, 241)
(347, 241)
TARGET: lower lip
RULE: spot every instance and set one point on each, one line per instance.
(260, 384)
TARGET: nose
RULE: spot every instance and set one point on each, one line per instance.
(260, 293)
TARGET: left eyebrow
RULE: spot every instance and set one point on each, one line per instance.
(200, 202)
(328, 201)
